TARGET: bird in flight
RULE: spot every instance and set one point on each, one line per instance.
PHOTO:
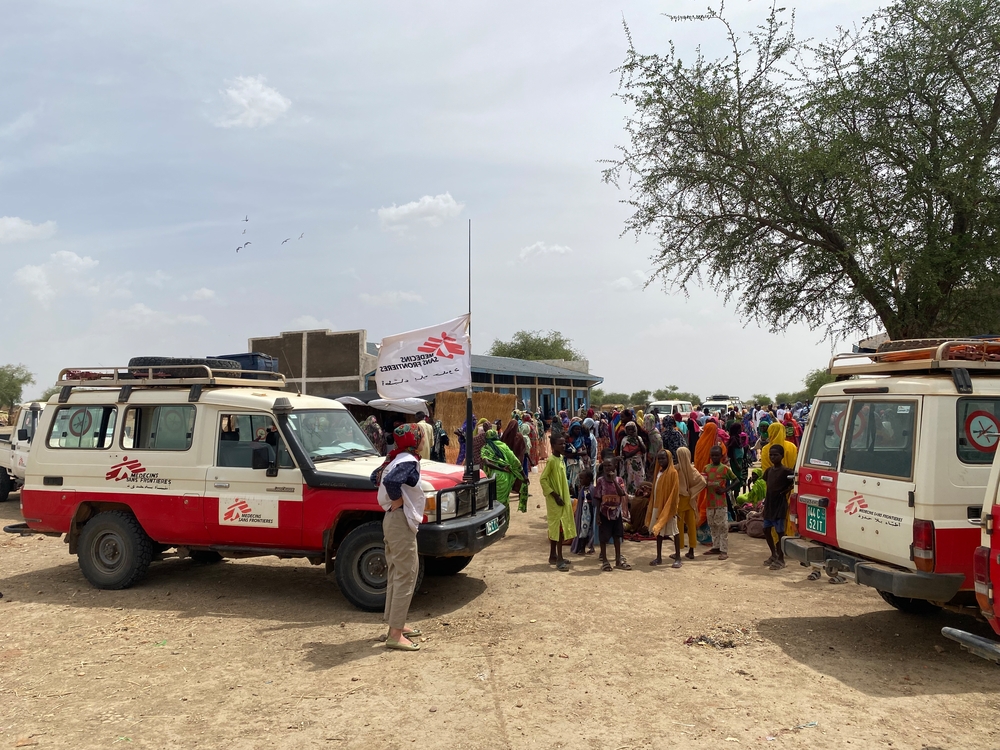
(302, 235)
(244, 231)
(247, 218)
(240, 247)
(285, 240)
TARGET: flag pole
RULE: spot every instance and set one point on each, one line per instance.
(471, 471)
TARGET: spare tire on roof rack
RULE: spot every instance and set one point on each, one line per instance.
(178, 363)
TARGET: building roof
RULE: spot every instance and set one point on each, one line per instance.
(528, 368)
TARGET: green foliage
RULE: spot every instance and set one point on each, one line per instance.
(535, 345)
(670, 393)
(639, 397)
(47, 394)
(789, 398)
(597, 396)
(856, 180)
(815, 380)
(760, 398)
(612, 398)
(13, 378)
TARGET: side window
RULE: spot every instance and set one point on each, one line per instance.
(239, 433)
(977, 429)
(826, 435)
(158, 428)
(881, 438)
(85, 427)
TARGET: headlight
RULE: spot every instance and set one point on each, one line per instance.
(448, 500)
(430, 502)
(482, 494)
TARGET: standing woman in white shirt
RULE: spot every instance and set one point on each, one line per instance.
(399, 494)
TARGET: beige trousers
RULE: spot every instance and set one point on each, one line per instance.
(718, 521)
(403, 561)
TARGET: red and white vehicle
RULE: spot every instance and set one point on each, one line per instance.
(14, 449)
(893, 468)
(130, 462)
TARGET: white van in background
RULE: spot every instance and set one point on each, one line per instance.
(666, 408)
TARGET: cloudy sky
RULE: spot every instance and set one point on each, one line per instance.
(135, 137)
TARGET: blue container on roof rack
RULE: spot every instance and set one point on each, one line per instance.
(253, 361)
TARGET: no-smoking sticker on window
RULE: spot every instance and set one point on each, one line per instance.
(80, 422)
(982, 430)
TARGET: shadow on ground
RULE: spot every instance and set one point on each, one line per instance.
(886, 653)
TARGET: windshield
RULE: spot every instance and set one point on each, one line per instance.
(329, 434)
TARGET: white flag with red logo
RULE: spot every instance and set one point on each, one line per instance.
(431, 360)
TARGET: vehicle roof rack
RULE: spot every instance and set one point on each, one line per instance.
(194, 377)
(967, 354)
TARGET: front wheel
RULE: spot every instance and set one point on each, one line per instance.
(114, 550)
(909, 606)
(361, 568)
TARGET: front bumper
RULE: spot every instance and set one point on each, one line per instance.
(463, 536)
(933, 587)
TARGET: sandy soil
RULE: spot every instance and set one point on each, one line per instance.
(268, 654)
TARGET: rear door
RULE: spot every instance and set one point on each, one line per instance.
(874, 515)
(243, 506)
(818, 472)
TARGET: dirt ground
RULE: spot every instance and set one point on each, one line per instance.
(267, 654)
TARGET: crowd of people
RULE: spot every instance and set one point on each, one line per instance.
(625, 474)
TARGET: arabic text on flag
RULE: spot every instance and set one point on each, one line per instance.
(429, 360)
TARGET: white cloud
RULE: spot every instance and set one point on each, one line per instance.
(17, 126)
(64, 267)
(429, 210)
(623, 283)
(251, 103)
(158, 279)
(310, 322)
(541, 248)
(390, 299)
(200, 295)
(16, 229)
(142, 317)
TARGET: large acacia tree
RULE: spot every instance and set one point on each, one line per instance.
(846, 184)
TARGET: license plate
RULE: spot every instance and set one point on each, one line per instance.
(492, 526)
(816, 519)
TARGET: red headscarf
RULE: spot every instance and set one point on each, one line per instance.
(406, 439)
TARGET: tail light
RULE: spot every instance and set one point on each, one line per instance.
(793, 508)
(981, 576)
(923, 545)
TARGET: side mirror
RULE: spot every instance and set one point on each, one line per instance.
(22, 435)
(260, 458)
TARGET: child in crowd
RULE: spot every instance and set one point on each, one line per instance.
(586, 515)
(778, 479)
(558, 508)
(610, 493)
(690, 483)
(720, 479)
(661, 518)
(755, 495)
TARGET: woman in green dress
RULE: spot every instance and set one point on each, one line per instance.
(499, 461)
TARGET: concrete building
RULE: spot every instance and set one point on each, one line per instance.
(334, 363)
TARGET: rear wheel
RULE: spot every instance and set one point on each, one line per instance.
(361, 568)
(446, 566)
(909, 606)
(6, 485)
(114, 551)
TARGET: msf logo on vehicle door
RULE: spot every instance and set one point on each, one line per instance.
(248, 511)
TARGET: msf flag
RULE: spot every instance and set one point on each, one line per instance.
(431, 360)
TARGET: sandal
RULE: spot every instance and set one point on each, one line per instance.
(690, 553)
(606, 567)
(770, 560)
(656, 562)
(677, 564)
(776, 565)
(622, 565)
(415, 631)
(400, 646)
(562, 566)
(723, 556)
(713, 551)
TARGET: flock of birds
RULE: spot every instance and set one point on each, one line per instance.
(246, 220)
